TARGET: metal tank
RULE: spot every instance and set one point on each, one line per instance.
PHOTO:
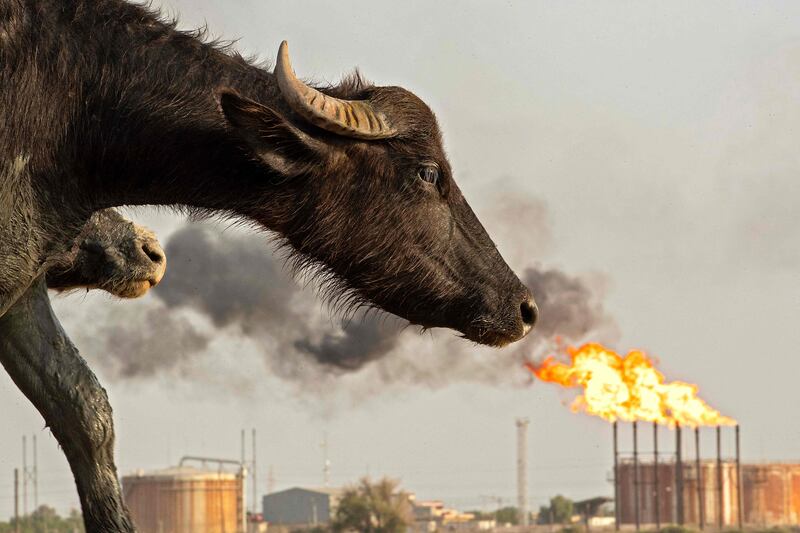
(185, 500)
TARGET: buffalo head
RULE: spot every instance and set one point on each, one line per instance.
(369, 198)
(112, 254)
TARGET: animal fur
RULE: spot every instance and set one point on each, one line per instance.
(106, 105)
(48, 369)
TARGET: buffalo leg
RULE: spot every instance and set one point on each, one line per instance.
(51, 373)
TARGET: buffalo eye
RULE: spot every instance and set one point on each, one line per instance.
(429, 174)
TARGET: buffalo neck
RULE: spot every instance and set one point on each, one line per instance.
(149, 128)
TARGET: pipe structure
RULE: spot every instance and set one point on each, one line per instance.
(243, 451)
(720, 520)
(739, 499)
(616, 479)
(678, 475)
(204, 460)
(701, 512)
(636, 481)
(656, 489)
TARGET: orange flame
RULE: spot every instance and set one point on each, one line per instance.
(627, 388)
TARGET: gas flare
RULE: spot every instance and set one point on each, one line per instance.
(627, 388)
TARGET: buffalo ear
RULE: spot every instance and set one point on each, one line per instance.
(278, 144)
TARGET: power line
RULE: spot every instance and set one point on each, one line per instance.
(29, 474)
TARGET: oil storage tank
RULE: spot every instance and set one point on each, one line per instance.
(185, 500)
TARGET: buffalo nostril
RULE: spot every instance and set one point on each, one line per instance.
(154, 252)
(529, 312)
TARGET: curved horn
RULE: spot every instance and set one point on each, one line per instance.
(351, 118)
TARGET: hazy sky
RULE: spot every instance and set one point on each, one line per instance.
(658, 144)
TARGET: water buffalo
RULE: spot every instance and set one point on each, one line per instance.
(125, 260)
(104, 105)
(112, 254)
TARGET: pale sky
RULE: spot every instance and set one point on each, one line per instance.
(662, 140)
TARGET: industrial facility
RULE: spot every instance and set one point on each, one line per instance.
(433, 515)
(300, 506)
(770, 493)
(185, 500)
(670, 483)
(653, 488)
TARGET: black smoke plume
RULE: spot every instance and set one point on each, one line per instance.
(570, 306)
(229, 283)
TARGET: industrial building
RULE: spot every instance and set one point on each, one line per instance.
(300, 506)
(303, 507)
(432, 515)
(770, 493)
(185, 500)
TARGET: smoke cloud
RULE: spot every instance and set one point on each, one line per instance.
(571, 306)
(357, 344)
(229, 284)
(229, 278)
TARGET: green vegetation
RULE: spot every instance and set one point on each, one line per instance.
(504, 515)
(507, 515)
(559, 511)
(45, 520)
(373, 508)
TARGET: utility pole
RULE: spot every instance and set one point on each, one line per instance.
(242, 506)
(35, 476)
(242, 455)
(271, 480)
(29, 474)
(254, 474)
(522, 470)
(16, 500)
(24, 476)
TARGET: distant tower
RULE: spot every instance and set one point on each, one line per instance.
(271, 480)
(30, 474)
(522, 470)
(326, 462)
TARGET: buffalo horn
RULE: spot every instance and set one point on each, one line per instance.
(350, 118)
